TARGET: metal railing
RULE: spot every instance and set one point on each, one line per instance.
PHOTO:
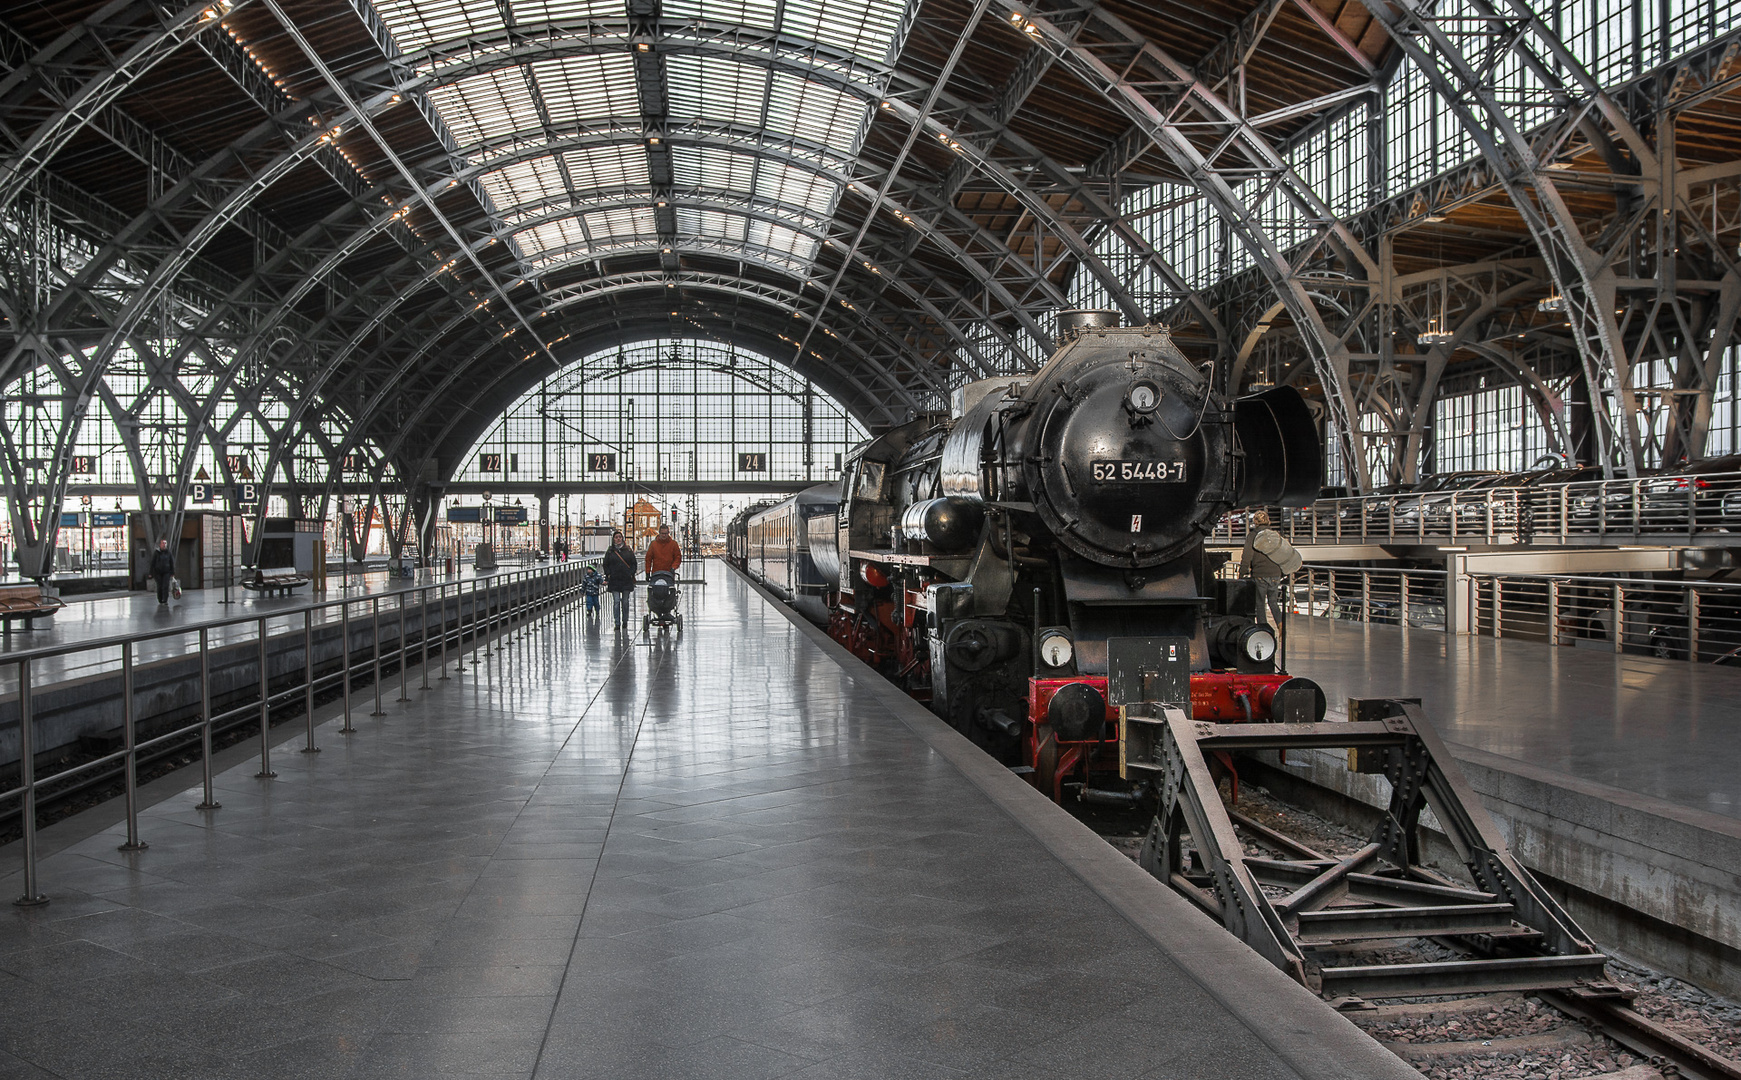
(1675, 620)
(1658, 509)
(1396, 597)
(500, 609)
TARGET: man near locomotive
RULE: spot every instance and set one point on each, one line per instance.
(619, 564)
(663, 553)
(1270, 561)
(163, 569)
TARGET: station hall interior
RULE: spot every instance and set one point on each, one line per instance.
(870, 539)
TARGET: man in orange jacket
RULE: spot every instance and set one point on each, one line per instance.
(663, 553)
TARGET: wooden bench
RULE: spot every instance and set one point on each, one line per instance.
(275, 582)
(26, 602)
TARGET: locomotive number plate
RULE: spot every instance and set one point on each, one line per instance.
(1154, 472)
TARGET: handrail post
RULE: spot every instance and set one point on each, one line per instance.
(375, 651)
(403, 652)
(27, 777)
(1692, 623)
(205, 727)
(423, 631)
(1553, 611)
(130, 762)
(345, 657)
(500, 623)
(1403, 599)
(265, 772)
(476, 635)
(308, 677)
(1619, 618)
(442, 604)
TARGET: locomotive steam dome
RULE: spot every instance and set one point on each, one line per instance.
(1129, 459)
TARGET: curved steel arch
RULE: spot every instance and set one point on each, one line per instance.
(1152, 89)
(1585, 283)
(457, 318)
(766, 341)
(649, 282)
(77, 101)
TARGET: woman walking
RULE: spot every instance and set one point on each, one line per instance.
(619, 563)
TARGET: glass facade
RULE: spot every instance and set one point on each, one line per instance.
(666, 410)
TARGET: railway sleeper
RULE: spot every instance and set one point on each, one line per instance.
(1291, 909)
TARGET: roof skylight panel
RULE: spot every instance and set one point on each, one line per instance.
(490, 105)
(524, 183)
(552, 236)
(710, 88)
(870, 28)
(608, 168)
(712, 168)
(757, 13)
(621, 224)
(712, 223)
(789, 185)
(588, 88)
(417, 24)
(817, 113)
(780, 238)
(543, 11)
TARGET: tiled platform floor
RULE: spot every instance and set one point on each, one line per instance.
(712, 857)
(1663, 728)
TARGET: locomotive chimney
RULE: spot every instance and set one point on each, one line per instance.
(1077, 321)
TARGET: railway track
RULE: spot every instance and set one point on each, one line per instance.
(1601, 1029)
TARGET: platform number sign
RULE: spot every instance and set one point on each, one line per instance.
(490, 462)
(84, 465)
(757, 462)
(246, 496)
(603, 463)
(199, 494)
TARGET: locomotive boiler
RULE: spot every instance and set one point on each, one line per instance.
(992, 561)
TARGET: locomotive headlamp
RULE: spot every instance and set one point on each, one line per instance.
(1143, 397)
(1056, 648)
(1258, 643)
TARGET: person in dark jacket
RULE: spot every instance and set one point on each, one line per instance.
(619, 563)
(163, 569)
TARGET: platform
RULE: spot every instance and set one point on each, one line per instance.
(725, 855)
(101, 618)
(1665, 729)
(1616, 778)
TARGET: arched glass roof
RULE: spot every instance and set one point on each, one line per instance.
(769, 209)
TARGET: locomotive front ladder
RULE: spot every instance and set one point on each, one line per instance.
(1306, 911)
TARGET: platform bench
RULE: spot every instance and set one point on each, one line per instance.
(276, 582)
(26, 602)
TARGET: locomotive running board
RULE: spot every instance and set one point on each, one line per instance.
(1297, 912)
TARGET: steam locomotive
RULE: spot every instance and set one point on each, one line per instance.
(1007, 563)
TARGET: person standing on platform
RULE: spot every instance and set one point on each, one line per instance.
(619, 562)
(163, 569)
(663, 553)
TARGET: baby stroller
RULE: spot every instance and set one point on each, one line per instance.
(591, 582)
(661, 602)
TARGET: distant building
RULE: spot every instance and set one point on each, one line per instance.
(644, 520)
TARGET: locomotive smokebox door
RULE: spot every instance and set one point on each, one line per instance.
(1149, 669)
